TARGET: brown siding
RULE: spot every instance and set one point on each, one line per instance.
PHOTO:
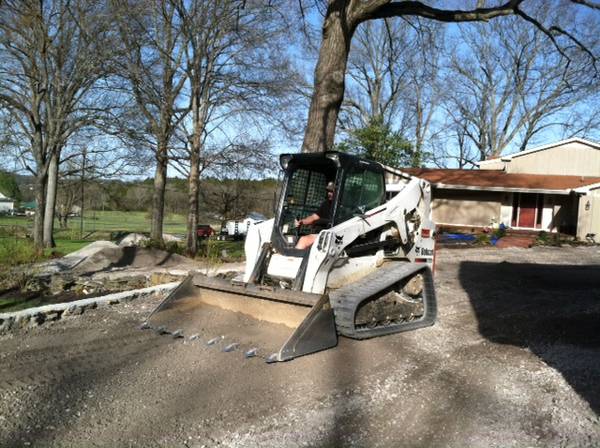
(474, 208)
(573, 159)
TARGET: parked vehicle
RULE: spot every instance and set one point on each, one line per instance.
(204, 231)
(237, 230)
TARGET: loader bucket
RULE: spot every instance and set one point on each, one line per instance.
(285, 323)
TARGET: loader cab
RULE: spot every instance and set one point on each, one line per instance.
(359, 186)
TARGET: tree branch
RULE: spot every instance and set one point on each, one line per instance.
(415, 8)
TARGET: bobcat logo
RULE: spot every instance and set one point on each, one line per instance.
(339, 239)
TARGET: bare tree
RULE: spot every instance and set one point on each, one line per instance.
(508, 83)
(234, 68)
(377, 72)
(53, 55)
(90, 157)
(232, 197)
(394, 76)
(341, 20)
(152, 60)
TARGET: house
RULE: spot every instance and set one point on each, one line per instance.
(555, 188)
(7, 205)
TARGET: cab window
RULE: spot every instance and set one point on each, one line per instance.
(363, 189)
(305, 193)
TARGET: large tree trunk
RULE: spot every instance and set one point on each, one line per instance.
(40, 198)
(158, 197)
(192, 220)
(199, 108)
(50, 201)
(338, 29)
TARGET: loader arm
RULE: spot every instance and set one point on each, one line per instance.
(331, 244)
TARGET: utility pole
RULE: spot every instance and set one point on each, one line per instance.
(84, 154)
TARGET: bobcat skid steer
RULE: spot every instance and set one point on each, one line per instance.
(368, 273)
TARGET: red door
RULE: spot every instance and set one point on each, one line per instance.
(527, 208)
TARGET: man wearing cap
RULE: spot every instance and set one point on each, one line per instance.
(322, 215)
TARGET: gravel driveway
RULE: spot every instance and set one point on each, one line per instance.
(513, 361)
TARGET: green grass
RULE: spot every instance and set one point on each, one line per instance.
(106, 222)
(9, 305)
(64, 246)
(16, 251)
(112, 221)
(98, 225)
(222, 250)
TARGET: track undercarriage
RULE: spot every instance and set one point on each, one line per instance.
(397, 297)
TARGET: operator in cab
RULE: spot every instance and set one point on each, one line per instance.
(320, 218)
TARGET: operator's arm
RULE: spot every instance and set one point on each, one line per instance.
(308, 220)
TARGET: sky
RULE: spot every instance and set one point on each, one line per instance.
(304, 55)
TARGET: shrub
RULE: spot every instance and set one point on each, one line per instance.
(499, 232)
(171, 247)
(15, 251)
(174, 248)
(543, 238)
(483, 238)
(221, 250)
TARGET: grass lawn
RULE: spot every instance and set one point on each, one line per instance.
(112, 221)
(97, 225)
(67, 246)
(102, 221)
(104, 225)
(9, 305)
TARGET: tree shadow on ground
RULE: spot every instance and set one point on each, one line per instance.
(553, 310)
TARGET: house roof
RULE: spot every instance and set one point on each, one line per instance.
(509, 157)
(5, 199)
(32, 205)
(498, 180)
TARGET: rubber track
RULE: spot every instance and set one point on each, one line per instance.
(346, 300)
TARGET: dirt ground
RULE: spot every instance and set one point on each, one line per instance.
(513, 361)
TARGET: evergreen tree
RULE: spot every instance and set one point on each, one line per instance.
(378, 142)
(9, 186)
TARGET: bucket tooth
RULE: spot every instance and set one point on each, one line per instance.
(177, 334)
(251, 353)
(231, 347)
(216, 340)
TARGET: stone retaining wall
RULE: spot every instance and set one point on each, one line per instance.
(32, 317)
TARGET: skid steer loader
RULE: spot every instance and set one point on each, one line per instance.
(368, 273)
